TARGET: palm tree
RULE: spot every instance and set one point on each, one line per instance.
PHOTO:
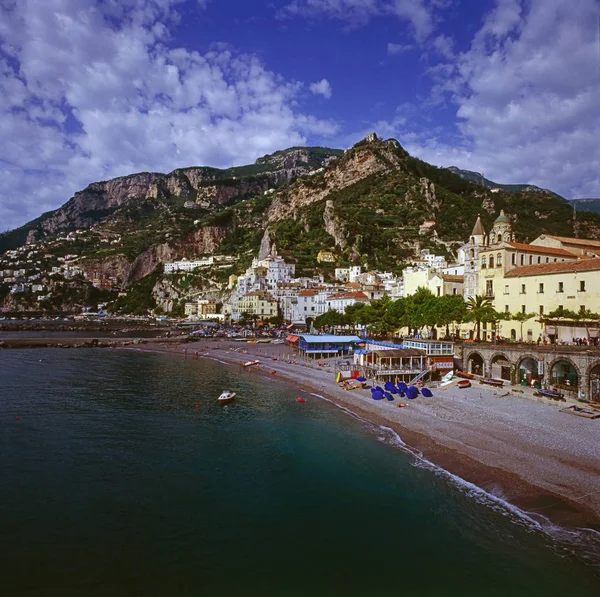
(480, 309)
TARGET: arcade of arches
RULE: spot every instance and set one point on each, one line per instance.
(574, 372)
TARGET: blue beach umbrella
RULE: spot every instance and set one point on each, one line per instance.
(426, 392)
(377, 395)
(402, 386)
(388, 396)
(412, 392)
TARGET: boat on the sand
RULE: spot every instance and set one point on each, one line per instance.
(464, 375)
(489, 381)
(552, 394)
(251, 363)
(464, 383)
(226, 397)
(581, 412)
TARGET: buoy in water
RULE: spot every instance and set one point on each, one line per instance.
(273, 372)
(197, 406)
(17, 418)
(300, 399)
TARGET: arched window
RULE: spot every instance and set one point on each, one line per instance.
(499, 260)
(507, 237)
(491, 261)
(483, 262)
(472, 253)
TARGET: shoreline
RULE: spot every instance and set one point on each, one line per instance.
(545, 487)
(542, 462)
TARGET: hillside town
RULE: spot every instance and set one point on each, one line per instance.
(549, 275)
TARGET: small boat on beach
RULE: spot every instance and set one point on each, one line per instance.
(464, 383)
(553, 395)
(464, 375)
(497, 383)
(251, 363)
(226, 397)
(581, 412)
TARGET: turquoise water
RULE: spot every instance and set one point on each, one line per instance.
(115, 484)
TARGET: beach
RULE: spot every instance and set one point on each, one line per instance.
(519, 449)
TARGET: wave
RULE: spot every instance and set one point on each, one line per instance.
(582, 544)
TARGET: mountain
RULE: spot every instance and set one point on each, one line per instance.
(198, 184)
(479, 179)
(367, 204)
(592, 205)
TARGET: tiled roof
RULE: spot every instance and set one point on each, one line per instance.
(581, 265)
(349, 295)
(544, 250)
(308, 293)
(452, 278)
(584, 242)
(478, 229)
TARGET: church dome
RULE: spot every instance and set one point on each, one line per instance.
(502, 218)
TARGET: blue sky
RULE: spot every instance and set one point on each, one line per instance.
(93, 89)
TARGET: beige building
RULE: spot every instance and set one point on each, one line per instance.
(468, 255)
(259, 303)
(581, 247)
(544, 288)
(551, 273)
(438, 283)
(326, 257)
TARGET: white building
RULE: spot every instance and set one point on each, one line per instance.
(455, 270)
(187, 266)
(308, 303)
(339, 302)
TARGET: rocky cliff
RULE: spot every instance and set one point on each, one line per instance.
(367, 158)
(209, 187)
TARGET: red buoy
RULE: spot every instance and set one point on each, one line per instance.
(17, 418)
(273, 372)
(300, 399)
(197, 406)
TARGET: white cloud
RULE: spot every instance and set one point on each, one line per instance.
(526, 96)
(418, 13)
(395, 49)
(321, 87)
(90, 90)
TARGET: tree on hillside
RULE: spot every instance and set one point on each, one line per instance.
(447, 309)
(521, 318)
(358, 313)
(329, 319)
(420, 310)
(480, 308)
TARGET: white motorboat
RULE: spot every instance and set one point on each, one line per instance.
(226, 397)
(251, 363)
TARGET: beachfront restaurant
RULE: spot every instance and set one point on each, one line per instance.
(322, 347)
(392, 364)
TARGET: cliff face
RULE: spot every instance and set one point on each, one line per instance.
(92, 204)
(367, 158)
(209, 187)
(201, 242)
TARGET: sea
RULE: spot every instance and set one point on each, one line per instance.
(121, 475)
